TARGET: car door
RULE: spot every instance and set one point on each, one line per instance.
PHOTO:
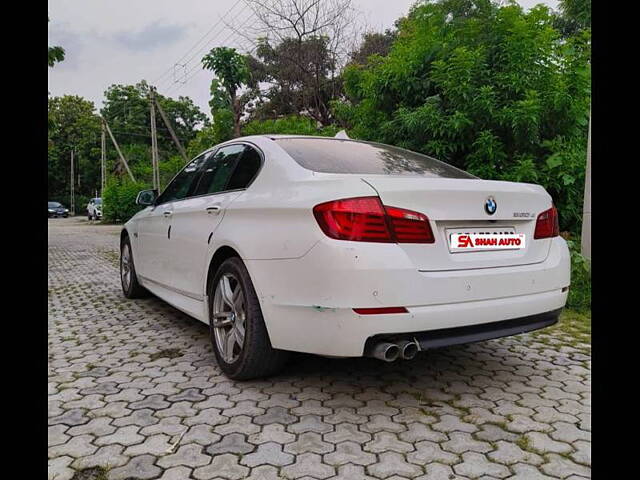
(195, 219)
(155, 225)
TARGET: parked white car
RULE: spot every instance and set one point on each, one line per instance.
(94, 209)
(344, 248)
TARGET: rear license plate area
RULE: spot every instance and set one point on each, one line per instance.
(481, 239)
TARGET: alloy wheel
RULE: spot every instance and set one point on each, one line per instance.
(125, 267)
(229, 317)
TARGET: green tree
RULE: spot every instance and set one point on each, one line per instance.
(126, 109)
(575, 15)
(302, 78)
(56, 53)
(73, 125)
(373, 43)
(491, 89)
(232, 71)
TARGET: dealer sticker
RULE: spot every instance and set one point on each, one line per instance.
(460, 242)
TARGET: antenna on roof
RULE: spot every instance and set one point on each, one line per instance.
(341, 134)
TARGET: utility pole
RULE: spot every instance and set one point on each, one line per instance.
(154, 142)
(103, 146)
(586, 205)
(73, 205)
(173, 134)
(115, 144)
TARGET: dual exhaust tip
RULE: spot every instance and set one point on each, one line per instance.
(389, 352)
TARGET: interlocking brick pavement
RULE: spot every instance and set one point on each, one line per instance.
(134, 389)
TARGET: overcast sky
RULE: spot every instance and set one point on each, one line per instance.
(117, 41)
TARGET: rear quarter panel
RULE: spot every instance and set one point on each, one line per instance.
(273, 218)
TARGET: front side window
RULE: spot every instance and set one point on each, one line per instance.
(183, 185)
(218, 169)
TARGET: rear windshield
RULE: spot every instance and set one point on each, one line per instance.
(97, 201)
(329, 155)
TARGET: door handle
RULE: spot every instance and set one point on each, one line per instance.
(167, 213)
(214, 209)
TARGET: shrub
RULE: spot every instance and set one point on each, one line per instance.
(580, 290)
(119, 199)
(485, 86)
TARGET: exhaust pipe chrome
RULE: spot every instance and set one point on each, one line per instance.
(385, 351)
(408, 349)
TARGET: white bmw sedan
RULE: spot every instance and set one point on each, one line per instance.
(344, 248)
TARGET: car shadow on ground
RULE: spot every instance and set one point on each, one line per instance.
(351, 368)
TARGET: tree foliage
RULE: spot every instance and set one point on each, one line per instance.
(373, 43)
(301, 75)
(233, 72)
(293, 124)
(56, 54)
(73, 125)
(126, 109)
(491, 89)
(575, 16)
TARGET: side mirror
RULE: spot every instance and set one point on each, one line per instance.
(146, 197)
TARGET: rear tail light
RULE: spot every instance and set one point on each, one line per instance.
(366, 219)
(547, 224)
(408, 226)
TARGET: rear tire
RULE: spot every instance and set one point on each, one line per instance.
(128, 278)
(240, 340)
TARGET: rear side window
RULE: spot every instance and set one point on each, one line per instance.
(329, 155)
(218, 170)
(246, 169)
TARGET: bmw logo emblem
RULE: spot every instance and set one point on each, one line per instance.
(490, 205)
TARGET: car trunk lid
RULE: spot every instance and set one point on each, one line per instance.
(458, 206)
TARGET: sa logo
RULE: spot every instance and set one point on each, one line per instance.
(465, 241)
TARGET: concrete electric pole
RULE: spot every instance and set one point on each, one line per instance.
(103, 146)
(586, 206)
(115, 144)
(72, 200)
(154, 142)
(171, 131)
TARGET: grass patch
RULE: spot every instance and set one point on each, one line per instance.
(524, 443)
(167, 353)
(573, 329)
(112, 256)
(93, 473)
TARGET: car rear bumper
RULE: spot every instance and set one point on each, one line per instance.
(308, 302)
(445, 337)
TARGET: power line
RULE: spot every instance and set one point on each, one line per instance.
(208, 46)
(190, 75)
(204, 47)
(199, 40)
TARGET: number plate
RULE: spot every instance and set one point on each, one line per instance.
(481, 239)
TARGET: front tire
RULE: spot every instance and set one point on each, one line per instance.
(128, 278)
(239, 337)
